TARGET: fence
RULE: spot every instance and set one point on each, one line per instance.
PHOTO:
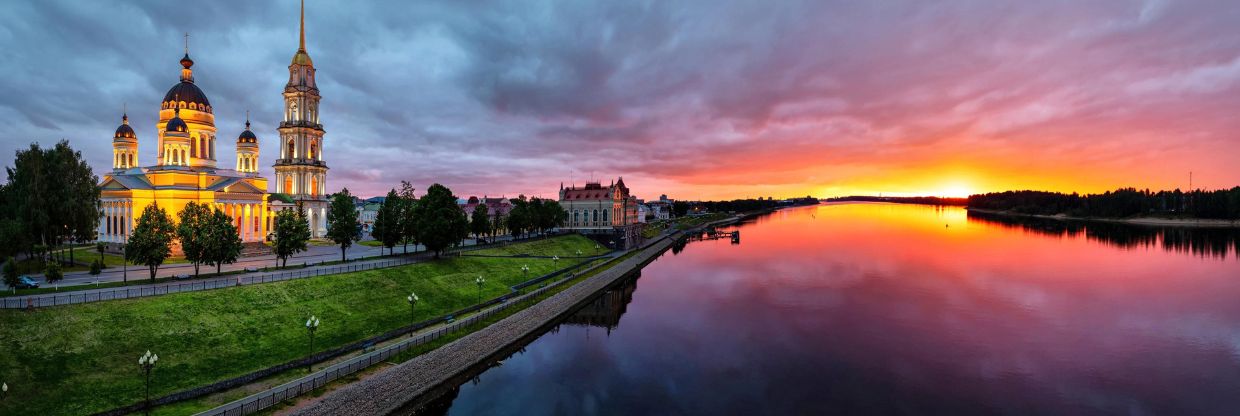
(99, 295)
(260, 401)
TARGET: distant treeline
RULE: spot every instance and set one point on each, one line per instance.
(925, 200)
(1122, 203)
(744, 205)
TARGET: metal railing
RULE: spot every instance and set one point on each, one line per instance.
(99, 295)
(263, 400)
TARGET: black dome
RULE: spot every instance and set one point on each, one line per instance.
(247, 136)
(176, 124)
(188, 92)
(124, 131)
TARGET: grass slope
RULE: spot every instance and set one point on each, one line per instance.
(83, 358)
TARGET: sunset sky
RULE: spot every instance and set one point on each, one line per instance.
(695, 99)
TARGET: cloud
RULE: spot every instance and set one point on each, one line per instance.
(693, 99)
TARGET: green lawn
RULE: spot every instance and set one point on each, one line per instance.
(83, 358)
(559, 246)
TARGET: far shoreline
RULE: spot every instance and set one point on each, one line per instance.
(1149, 221)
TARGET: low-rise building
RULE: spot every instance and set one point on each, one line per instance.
(598, 210)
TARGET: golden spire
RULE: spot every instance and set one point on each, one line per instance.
(187, 43)
(303, 26)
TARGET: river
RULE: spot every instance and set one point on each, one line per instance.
(897, 309)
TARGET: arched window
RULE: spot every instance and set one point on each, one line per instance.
(312, 150)
(288, 184)
(194, 146)
(604, 215)
(289, 153)
(596, 215)
(314, 185)
(576, 217)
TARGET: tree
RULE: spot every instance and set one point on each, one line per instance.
(52, 195)
(387, 221)
(497, 224)
(680, 208)
(100, 247)
(151, 241)
(342, 226)
(192, 231)
(10, 272)
(223, 243)
(53, 274)
(408, 216)
(552, 215)
(440, 222)
(291, 234)
(480, 221)
(518, 217)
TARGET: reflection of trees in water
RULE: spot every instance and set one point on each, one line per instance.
(1205, 242)
(679, 246)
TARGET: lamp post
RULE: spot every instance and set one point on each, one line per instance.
(312, 325)
(578, 252)
(4, 391)
(147, 363)
(556, 260)
(480, 281)
(526, 269)
(413, 300)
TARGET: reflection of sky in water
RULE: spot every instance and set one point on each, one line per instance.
(865, 308)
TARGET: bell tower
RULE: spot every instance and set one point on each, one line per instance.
(300, 170)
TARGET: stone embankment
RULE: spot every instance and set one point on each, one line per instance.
(402, 388)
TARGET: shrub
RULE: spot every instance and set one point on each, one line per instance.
(96, 267)
(53, 273)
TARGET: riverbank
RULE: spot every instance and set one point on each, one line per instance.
(1148, 221)
(405, 387)
(78, 359)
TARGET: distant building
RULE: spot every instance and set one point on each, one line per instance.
(367, 213)
(661, 209)
(595, 209)
(495, 206)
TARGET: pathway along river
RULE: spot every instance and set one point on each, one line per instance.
(897, 309)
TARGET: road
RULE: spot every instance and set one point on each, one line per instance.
(313, 254)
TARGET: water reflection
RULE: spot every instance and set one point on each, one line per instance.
(890, 309)
(1205, 242)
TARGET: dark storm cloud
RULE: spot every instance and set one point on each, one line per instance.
(700, 98)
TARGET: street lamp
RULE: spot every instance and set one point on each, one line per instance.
(526, 269)
(578, 252)
(147, 362)
(556, 260)
(413, 300)
(312, 324)
(480, 281)
(4, 391)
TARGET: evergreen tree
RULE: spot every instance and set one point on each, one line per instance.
(408, 216)
(497, 224)
(480, 221)
(291, 234)
(440, 222)
(151, 242)
(342, 226)
(192, 232)
(223, 242)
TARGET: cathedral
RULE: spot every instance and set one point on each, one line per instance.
(186, 164)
